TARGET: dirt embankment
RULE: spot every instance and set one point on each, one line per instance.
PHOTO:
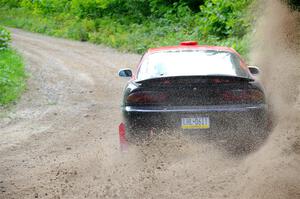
(61, 141)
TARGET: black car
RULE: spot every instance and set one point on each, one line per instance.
(196, 89)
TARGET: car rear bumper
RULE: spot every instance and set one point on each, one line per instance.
(222, 118)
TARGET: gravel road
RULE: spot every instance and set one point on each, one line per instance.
(61, 139)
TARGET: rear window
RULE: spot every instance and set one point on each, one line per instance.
(191, 63)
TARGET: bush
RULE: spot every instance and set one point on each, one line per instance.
(78, 31)
(224, 18)
(4, 38)
(12, 72)
(12, 76)
(88, 8)
(10, 3)
(46, 7)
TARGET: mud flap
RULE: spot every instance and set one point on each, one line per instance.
(122, 137)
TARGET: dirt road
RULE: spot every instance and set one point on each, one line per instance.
(61, 140)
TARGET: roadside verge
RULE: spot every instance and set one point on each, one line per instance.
(12, 71)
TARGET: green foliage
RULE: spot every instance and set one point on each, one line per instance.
(88, 8)
(78, 31)
(12, 76)
(46, 7)
(4, 38)
(224, 18)
(10, 3)
(136, 25)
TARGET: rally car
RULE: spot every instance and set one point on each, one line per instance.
(193, 88)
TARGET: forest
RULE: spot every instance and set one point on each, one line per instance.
(135, 25)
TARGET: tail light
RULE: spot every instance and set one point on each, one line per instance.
(146, 97)
(251, 95)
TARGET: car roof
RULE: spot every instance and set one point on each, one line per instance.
(194, 46)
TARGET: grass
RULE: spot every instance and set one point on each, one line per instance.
(12, 76)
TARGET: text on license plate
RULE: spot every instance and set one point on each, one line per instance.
(195, 123)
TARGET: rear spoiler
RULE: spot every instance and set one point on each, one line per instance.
(186, 79)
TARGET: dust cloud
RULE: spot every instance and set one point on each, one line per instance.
(274, 171)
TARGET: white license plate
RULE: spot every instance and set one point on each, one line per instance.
(195, 123)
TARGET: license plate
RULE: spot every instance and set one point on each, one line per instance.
(195, 123)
